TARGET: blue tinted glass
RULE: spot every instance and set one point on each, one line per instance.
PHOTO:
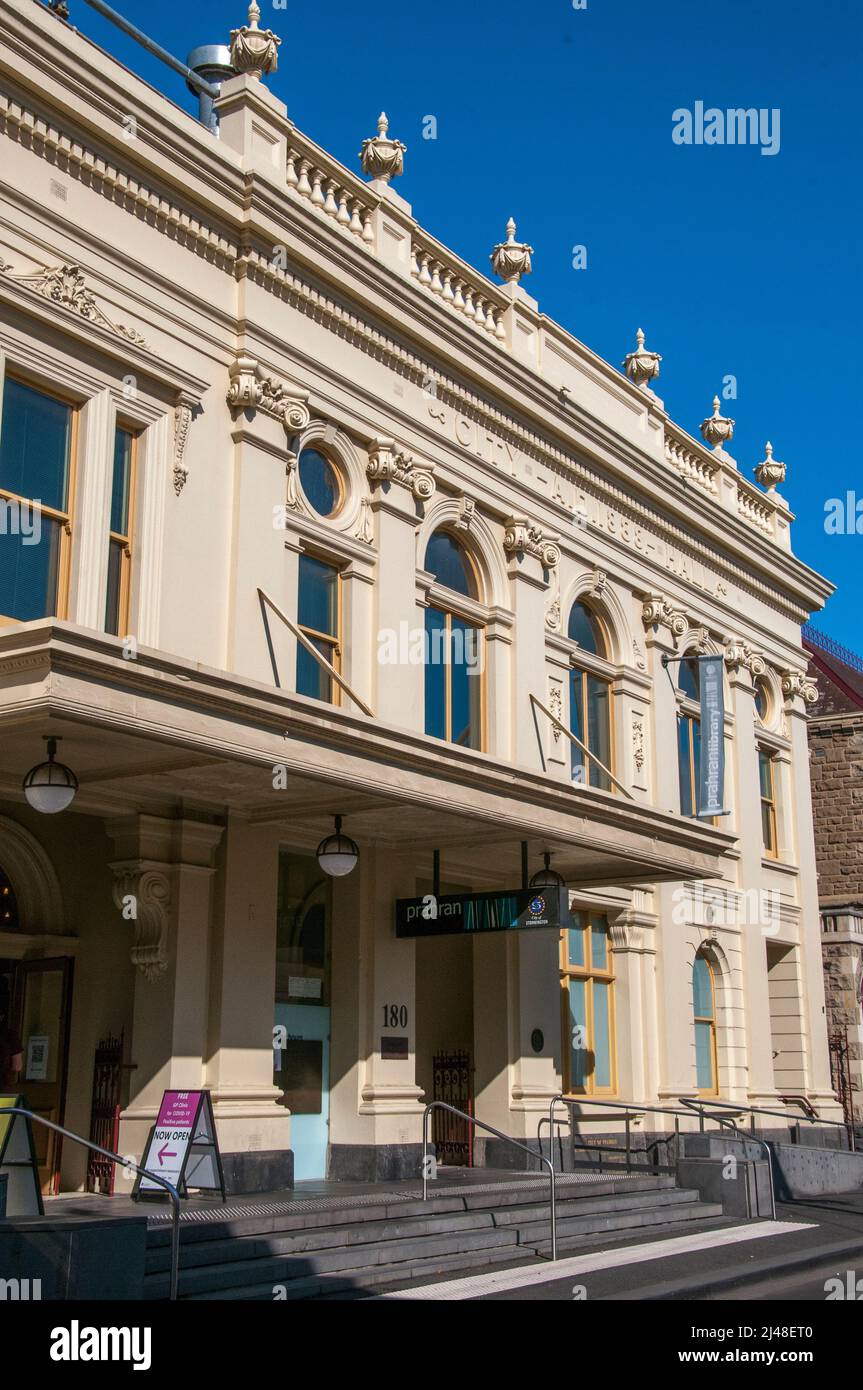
(446, 560)
(579, 1055)
(684, 764)
(598, 944)
(690, 678)
(704, 1057)
(702, 990)
(584, 629)
(318, 602)
(576, 724)
(465, 683)
(34, 445)
(312, 679)
(435, 674)
(575, 945)
(598, 730)
(602, 1034)
(121, 482)
(112, 603)
(29, 572)
(319, 482)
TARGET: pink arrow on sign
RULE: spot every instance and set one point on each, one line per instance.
(163, 1154)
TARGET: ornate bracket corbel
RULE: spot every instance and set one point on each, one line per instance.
(521, 537)
(739, 654)
(183, 411)
(797, 683)
(249, 389)
(657, 611)
(386, 464)
(142, 894)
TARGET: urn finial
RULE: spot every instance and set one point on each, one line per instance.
(716, 430)
(381, 157)
(641, 366)
(770, 471)
(254, 50)
(510, 259)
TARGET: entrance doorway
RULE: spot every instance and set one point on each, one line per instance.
(36, 996)
(445, 1041)
(301, 1042)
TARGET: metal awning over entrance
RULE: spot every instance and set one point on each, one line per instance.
(158, 734)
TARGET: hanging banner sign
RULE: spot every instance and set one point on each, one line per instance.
(182, 1147)
(711, 771)
(454, 914)
(18, 1161)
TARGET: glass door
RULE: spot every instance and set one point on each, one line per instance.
(41, 1009)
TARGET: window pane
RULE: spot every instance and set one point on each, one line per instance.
(435, 673)
(112, 605)
(121, 483)
(684, 764)
(312, 678)
(599, 730)
(575, 946)
(602, 1034)
(702, 988)
(767, 834)
(578, 1039)
(447, 561)
(29, 573)
(34, 445)
(598, 944)
(466, 683)
(690, 678)
(584, 629)
(765, 773)
(576, 724)
(318, 601)
(319, 482)
(704, 1057)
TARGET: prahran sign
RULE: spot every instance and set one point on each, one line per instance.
(454, 914)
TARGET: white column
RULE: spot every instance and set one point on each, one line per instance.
(92, 517)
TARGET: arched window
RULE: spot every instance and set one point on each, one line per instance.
(689, 735)
(587, 982)
(453, 665)
(589, 701)
(8, 905)
(704, 1007)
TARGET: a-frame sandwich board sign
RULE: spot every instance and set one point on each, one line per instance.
(183, 1147)
(18, 1161)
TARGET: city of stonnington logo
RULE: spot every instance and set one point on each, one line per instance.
(536, 906)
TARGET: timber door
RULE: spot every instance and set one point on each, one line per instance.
(41, 1008)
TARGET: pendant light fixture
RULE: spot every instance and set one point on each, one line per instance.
(547, 877)
(51, 786)
(337, 854)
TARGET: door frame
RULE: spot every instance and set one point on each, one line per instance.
(36, 965)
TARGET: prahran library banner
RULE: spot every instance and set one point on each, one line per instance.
(711, 772)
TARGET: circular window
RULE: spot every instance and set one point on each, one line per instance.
(320, 482)
(762, 701)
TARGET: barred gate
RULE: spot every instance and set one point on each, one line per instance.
(453, 1083)
(105, 1112)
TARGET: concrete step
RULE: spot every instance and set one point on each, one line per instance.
(537, 1239)
(379, 1278)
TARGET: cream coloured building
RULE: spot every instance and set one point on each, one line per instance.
(252, 410)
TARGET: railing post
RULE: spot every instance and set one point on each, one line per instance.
(628, 1146)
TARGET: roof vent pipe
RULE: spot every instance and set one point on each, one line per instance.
(212, 62)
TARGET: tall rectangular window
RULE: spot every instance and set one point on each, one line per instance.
(688, 762)
(453, 679)
(120, 534)
(768, 803)
(37, 455)
(587, 983)
(318, 616)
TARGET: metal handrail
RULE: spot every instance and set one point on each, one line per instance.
(472, 1120)
(630, 1109)
(124, 1163)
(725, 1123)
(754, 1110)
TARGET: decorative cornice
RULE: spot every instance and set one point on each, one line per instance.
(739, 654)
(249, 389)
(143, 894)
(522, 537)
(66, 286)
(797, 683)
(387, 465)
(658, 611)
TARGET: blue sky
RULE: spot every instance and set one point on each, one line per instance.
(734, 263)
